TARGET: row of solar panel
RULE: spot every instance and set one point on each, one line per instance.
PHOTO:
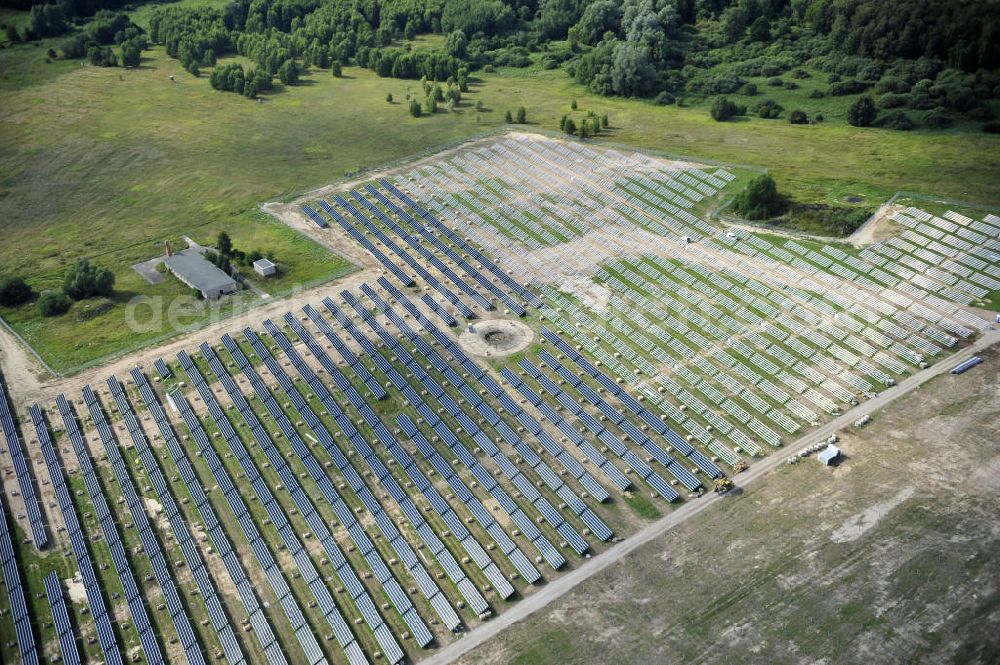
(24, 483)
(220, 540)
(411, 261)
(634, 406)
(98, 610)
(192, 558)
(506, 433)
(363, 602)
(293, 613)
(26, 645)
(445, 433)
(435, 597)
(119, 559)
(346, 516)
(60, 619)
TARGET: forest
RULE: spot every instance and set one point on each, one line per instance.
(916, 63)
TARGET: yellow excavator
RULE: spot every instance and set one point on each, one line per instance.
(723, 484)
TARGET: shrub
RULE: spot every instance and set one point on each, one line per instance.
(817, 94)
(895, 120)
(664, 99)
(846, 88)
(791, 85)
(798, 117)
(767, 109)
(775, 82)
(84, 281)
(892, 100)
(750, 89)
(862, 112)
(891, 84)
(723, 109)
(800, 74)
(415, 109)
(937, 119)
(991, 127)
(14, 291)
(760, 199)
(53, 303)
(833, 78)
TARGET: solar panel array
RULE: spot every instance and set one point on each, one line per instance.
(105, 519)
(192, 558)
(98, 610)
(669, 349)
(262, 553)
(15, 590)
(220, 541)
(60, 619)
(24, 482)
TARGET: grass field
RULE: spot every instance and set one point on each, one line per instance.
(108, 163)
(889, 557)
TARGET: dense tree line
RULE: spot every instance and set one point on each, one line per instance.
(935, 60)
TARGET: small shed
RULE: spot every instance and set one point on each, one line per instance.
(829, 455)
(264, 267)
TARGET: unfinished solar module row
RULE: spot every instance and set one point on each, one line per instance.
(119, 559)
(429, 256)
(98, 610)
(386, 480)
(412, 241)
(363, 241)
(620, 421)
(506, 433)
(459, 242)
(292, 543)
(26, 645)
(569, 462)
(137, 511)
(292, 611)
(389, 584)
(192, 558)
(403, 550)
(27, 488)
(60, 620)
(424, 531)
(361, 599)
(408, 258)
(635, 407)
(220, 541)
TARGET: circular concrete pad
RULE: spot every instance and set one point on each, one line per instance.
(496, 337)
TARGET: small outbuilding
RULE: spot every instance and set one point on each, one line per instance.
(829, 455)
(264, 267)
